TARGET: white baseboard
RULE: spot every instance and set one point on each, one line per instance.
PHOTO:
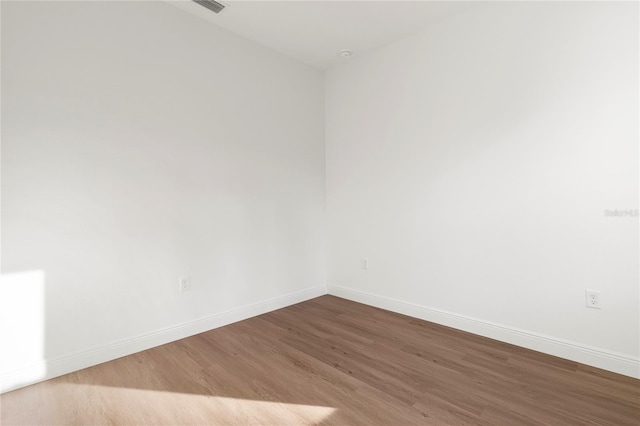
(596, 357)
(48, 369)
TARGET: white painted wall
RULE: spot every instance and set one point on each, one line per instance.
(139, 144)
(472, 164)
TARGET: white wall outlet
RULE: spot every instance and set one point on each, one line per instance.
(364, 263)
(184, 284)
(593, 299)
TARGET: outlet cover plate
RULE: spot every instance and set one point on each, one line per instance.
(593, 299)
(184, 284)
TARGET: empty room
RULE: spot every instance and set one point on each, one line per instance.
(319, 212)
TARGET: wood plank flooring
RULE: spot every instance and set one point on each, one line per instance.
(330, 361)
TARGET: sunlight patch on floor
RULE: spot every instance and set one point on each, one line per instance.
(106, 404)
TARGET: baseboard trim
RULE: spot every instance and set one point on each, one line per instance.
(596, 357)
(49, 369)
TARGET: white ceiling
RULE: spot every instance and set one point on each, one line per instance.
(314, 31)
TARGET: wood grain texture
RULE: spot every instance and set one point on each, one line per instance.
(331, 361)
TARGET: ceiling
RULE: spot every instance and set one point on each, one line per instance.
(313, 32)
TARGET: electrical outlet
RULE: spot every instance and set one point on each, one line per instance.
(184, 284)
(593, 299)
(364, 263)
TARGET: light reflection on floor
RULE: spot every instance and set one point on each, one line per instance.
(95, 404)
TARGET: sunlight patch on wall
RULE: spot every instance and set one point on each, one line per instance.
(22, 328)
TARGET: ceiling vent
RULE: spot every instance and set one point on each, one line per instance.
(212, 5)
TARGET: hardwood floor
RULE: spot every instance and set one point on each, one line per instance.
(332, 361)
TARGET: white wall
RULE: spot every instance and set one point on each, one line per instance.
(472, 164)
(140, 144)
